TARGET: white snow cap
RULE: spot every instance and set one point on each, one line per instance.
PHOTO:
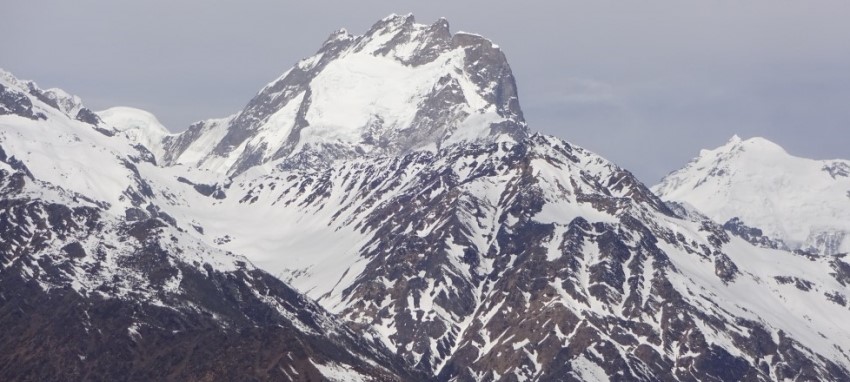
(399, 87)
(801, 201)
(124, 118)
(138, 126)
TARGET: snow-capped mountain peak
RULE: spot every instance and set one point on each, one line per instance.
(138, 126)
(754, 144)
(390, 177)
(735, 147)
(398, 88)
(124, 118)
(802, 202)
(8, 79)
(16, 94)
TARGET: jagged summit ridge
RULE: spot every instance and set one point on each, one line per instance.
(400, 87)
(802, 202)
(15, 93)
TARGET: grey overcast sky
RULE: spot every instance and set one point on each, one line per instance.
(644, 83)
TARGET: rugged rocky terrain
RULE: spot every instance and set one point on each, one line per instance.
(400, 87)
(107, 286)
(391, 178)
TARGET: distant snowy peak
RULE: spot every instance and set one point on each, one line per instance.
(735, 147)
(22, 98)
(803, 202)
(137, 125)
(400, 87)
(124, 118)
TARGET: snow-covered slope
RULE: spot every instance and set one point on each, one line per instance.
(482, 261)
(98, 282)
(400, 87)
(804, 203)
(472, 249)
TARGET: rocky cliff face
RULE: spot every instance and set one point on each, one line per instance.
(391, 179)
(539, 260)
(400, 87)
